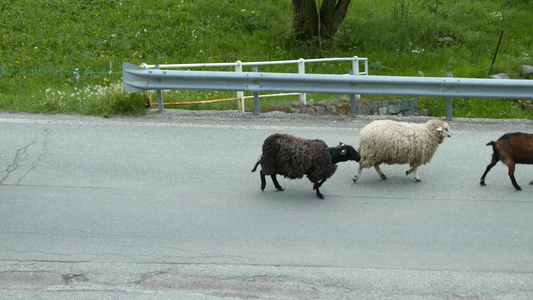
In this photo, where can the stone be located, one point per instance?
(500, 76)
(374, 107)
(526, 71)
(414, 106)
(405, 105)
(447, 40)
(394, 109)
(320, 109)
(363, 109)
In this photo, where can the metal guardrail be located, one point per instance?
(136, 79)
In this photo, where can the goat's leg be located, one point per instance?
(414, 169)
(358, 175)
(511, 166)
(263, 180)
(493, 162)
(378, 169)
(276, 184)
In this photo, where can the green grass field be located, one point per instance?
(62, 56)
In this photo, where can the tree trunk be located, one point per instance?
(305, 19)
(309, 24)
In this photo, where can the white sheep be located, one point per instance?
(392, 142)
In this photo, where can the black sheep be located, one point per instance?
(295, 157)
(511, 149)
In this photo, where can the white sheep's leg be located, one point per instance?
(358, 175)
(415, 170)
(378, 169)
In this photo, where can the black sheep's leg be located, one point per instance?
(511, 174)
(318, 184)
(319, 194)
(276, 184)
(493, 162)
(263, 180)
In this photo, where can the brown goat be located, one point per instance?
(511, 149)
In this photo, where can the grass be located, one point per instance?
(87, 42)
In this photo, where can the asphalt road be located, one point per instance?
(165, 207)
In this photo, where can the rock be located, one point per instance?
(526, 71)
(414, 106)
(394, 109)
(500, 76)
(447, 40)
(405, 105)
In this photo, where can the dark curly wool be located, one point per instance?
(295, 157)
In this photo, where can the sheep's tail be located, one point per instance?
(256, 164)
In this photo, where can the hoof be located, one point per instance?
(482, 183)
(418, 180)
(531, 182)
(384, 177)
(355, 179)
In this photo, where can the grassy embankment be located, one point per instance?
(96, 37)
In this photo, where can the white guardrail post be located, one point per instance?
(301, 70)
(449, 101)
(240, 94)
(354, 97)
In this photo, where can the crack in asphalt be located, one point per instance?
(22, 158)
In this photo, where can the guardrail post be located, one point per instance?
(257, 110)
(449, 102)
(353, 107)
(159, 94)
(355, 65)
(240, 94)
(301, 70)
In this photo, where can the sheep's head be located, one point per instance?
(343, 153)
(445, 130)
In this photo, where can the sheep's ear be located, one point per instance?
(341, 144)
(439, 129)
